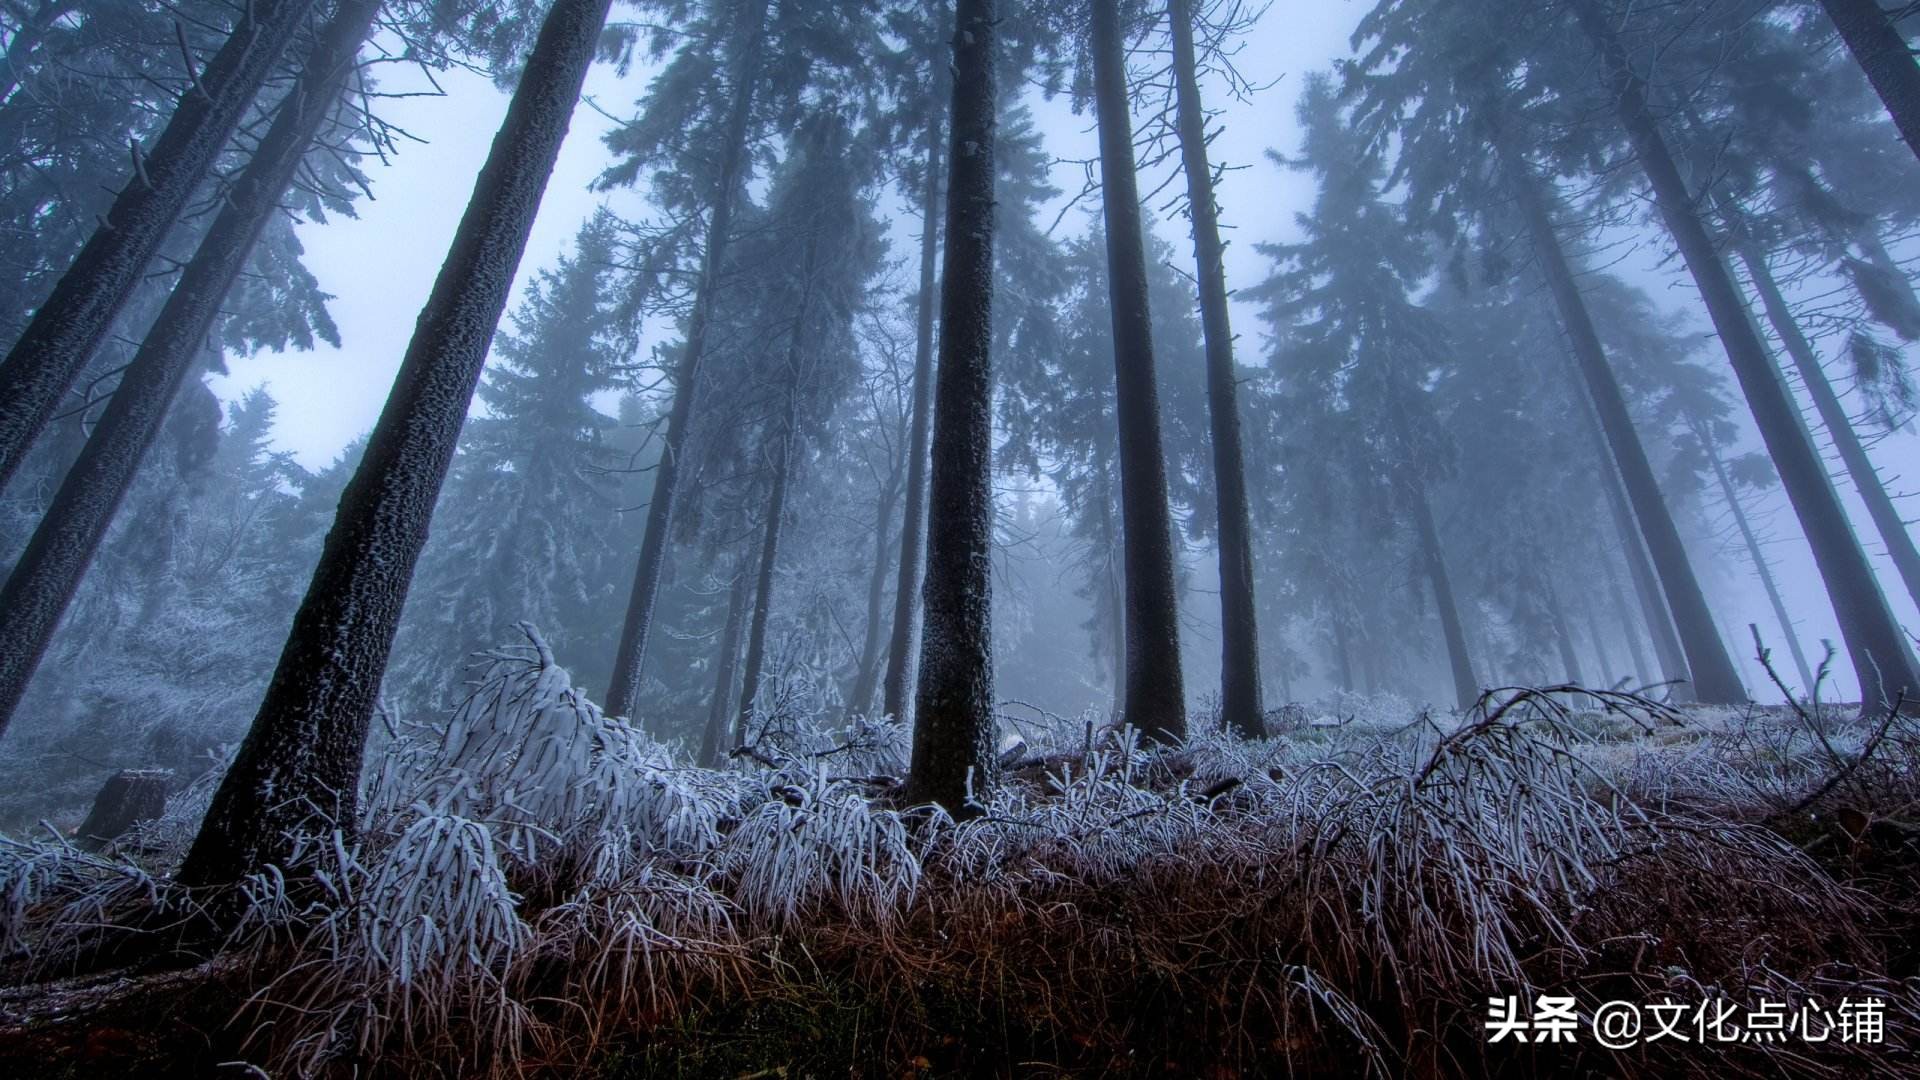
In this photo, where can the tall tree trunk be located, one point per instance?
(631, 654)
(763, 591)
(1466, 688)
(1240, 697)
(1608, 675)
(1343, 652)
(896, 694)
(47, 574)
(1630, 628)
(1655, 620)
(302, 757)
(1714, 679)
(1880, 50)
(1563, 638)
(1759, 560)
(720, 706)
(953, 730)
(70, 325)
(1880, 656)
(1866, 479)
(861, 700)
(1156, 697)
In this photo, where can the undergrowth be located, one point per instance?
(541, 888)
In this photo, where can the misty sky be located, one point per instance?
(379, 269)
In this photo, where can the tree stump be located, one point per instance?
(129, 797)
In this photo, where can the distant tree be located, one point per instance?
(303, 755)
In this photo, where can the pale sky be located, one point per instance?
(380, 268)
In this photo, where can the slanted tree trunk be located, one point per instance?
(1758, 558)
(631, 654)
(48, 572)
(1630, 628)
(1240, 697)
(1466, 688)
(300, 763)
(1714, 679)
(953, 731)
(896, 694)
(763, 591)
(1866, 479)
(860, 701)
(1881, 659)
(1156, 697)
(69, 326)
(1883, 54)
(720, 706)
(1608, 676)
(128, 798)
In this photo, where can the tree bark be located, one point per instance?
(763, 590)
(67, 329)
(299, 765)
(1608, 676)
(860, 701)
(128, 798)
(724, 668)
(1883, 54)
(43, 581)
(896, 695)
(1563, 638)
(631, 654)
(1240, 696)
(1759, 560)
(1630, 628)
(1881, 659)
(954, 703)
(1866, 479)
(1466, 688)
(1156, 697)
(1714, 679)
(1343, 653)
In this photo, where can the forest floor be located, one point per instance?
(1360, 893)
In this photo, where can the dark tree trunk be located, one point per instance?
(897, 692)
(302, 757)
(860, 701)
(720, 706)
(1759, 560)
(1156, 697)
(1343, 653)
(1240, 697)
(1880, 50)
(1563, 638)
(1466, 689)
(631, 654)
(128, 798)
(763, 591)
(1714, 679)
(954, 704)
(1630, 628)
(1866, 479)
(70, 325)
(1655, 620)
(1880, 656)
(44, 579)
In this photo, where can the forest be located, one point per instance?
(1013, 538)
